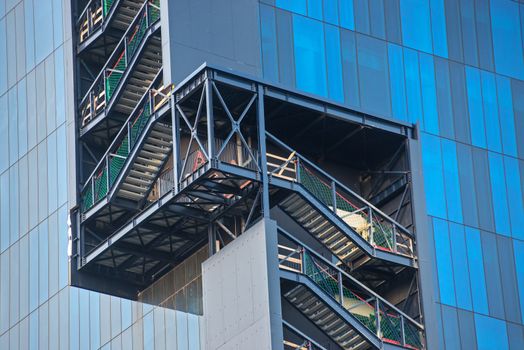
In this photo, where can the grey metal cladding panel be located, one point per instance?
(224, 32)
(425, 246)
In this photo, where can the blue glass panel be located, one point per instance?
(451, 178)
(43, 262)
(94, 319)
(59, 86)
(373, 74)
(429, 94)
(508, 279)
(476, 114)
(451, 328)
(61, 143)
(127, 317)
(193, 333)
(438, 26)
(314, 9)
(491, 113)
(433, 176)
(507, 121)
(491, 333)
(444, 98)
(347, 19)
(83, 301)
(376, 15)
(469, 33)
(492, 269)
(507, 39)
(413, 86)
(476, 271)
(297, 6)
(515, 198)
(149, 332)
(269, 43)
(57, 22)
(29, 35)
(285, 51)
(518, 248)
(444, 263)
(331, 11)
(13, 125)
(33, 269)
(33, 331)
(3, 57)
(310, 60)
(43, 14)
(361, 15)
(349, 66)
(181, 330)
(498, 191)
(460, 266)
(416, 31)
(483, 189)
(4, 211)
(334, 63)
(396, 77)
(4, 134)
(4, 292)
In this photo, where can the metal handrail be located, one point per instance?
(88, 109)
(312, 345)
(290, 169)
(341, 276)
(123, 136)
(92, 17)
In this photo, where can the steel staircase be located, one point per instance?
(349, 226)
(134, 160)
(129, 71)
(101, 16)
(347, 311)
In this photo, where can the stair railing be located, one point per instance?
(306, 344)
(106, 172)
(369, 222)
(379, 316)
(101, 91)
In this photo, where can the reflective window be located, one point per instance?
(309, 55)
(57, 22)
(507, 121)
(43, 262)
(94, 319)
(398, 88)
(62, 164)
(285, 51)
(460, 266)
(4, 292)
(451, 178)
(29, 35)
(491, 113)
(444, 99)
(42, 181)
(14, 285)
(74, 319)
(498, 191)
(269, 43)
(438, 26)
(507, 38)
(515, 197)
(451, 327)
(13, 203)
(54, 253)
(22, 118)
(492, 269)
(476, 271)
(373, 74)
(508, 279)
(24, 276)
(13, 125)
(297, 6)
(416, 31)
(4, 134)
(33, 269)
(334, 64)
(50, 96)
(413, 86)
(376, 15)
(193, 332)
(433, 176)
(491, 333)
(33, 331)
(483, 189)
(52, 184)
(43, 14)
(429, 94)
(469, 33)
(4, 211)
(149, 332)
(518, 248)
(3, 58)
(62, 246)
(59, 86)
(347, 19)
(349, 68)
(314, 9)
(444, 262)
(476, 112)
(331, 11)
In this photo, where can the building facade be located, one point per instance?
(328, 174)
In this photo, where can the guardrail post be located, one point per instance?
(302, 260)
(147, 15)
(334, 196)
(128, 138)
(377, 318)
(107, 174)
(297, 169)
(395, 248)
(402, 330)
(340, 288)
(371, 234)
(93, 192)
(91, 105)
(125, 50)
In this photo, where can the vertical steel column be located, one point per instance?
(210, 119)
(175, 129)
(334, 196)
(262, 147)
(211, 238)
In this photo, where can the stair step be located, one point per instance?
(144, 168)
(147, 161)
(151, 155)
(133, 188)
(138, 181)
(139, 174)
(130, 195)
(154, 148)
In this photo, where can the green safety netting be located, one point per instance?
(106, 5)
(390, 324)
(382, 232)
(154, 11)
(117, 161)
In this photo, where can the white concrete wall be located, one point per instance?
(241, 293)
